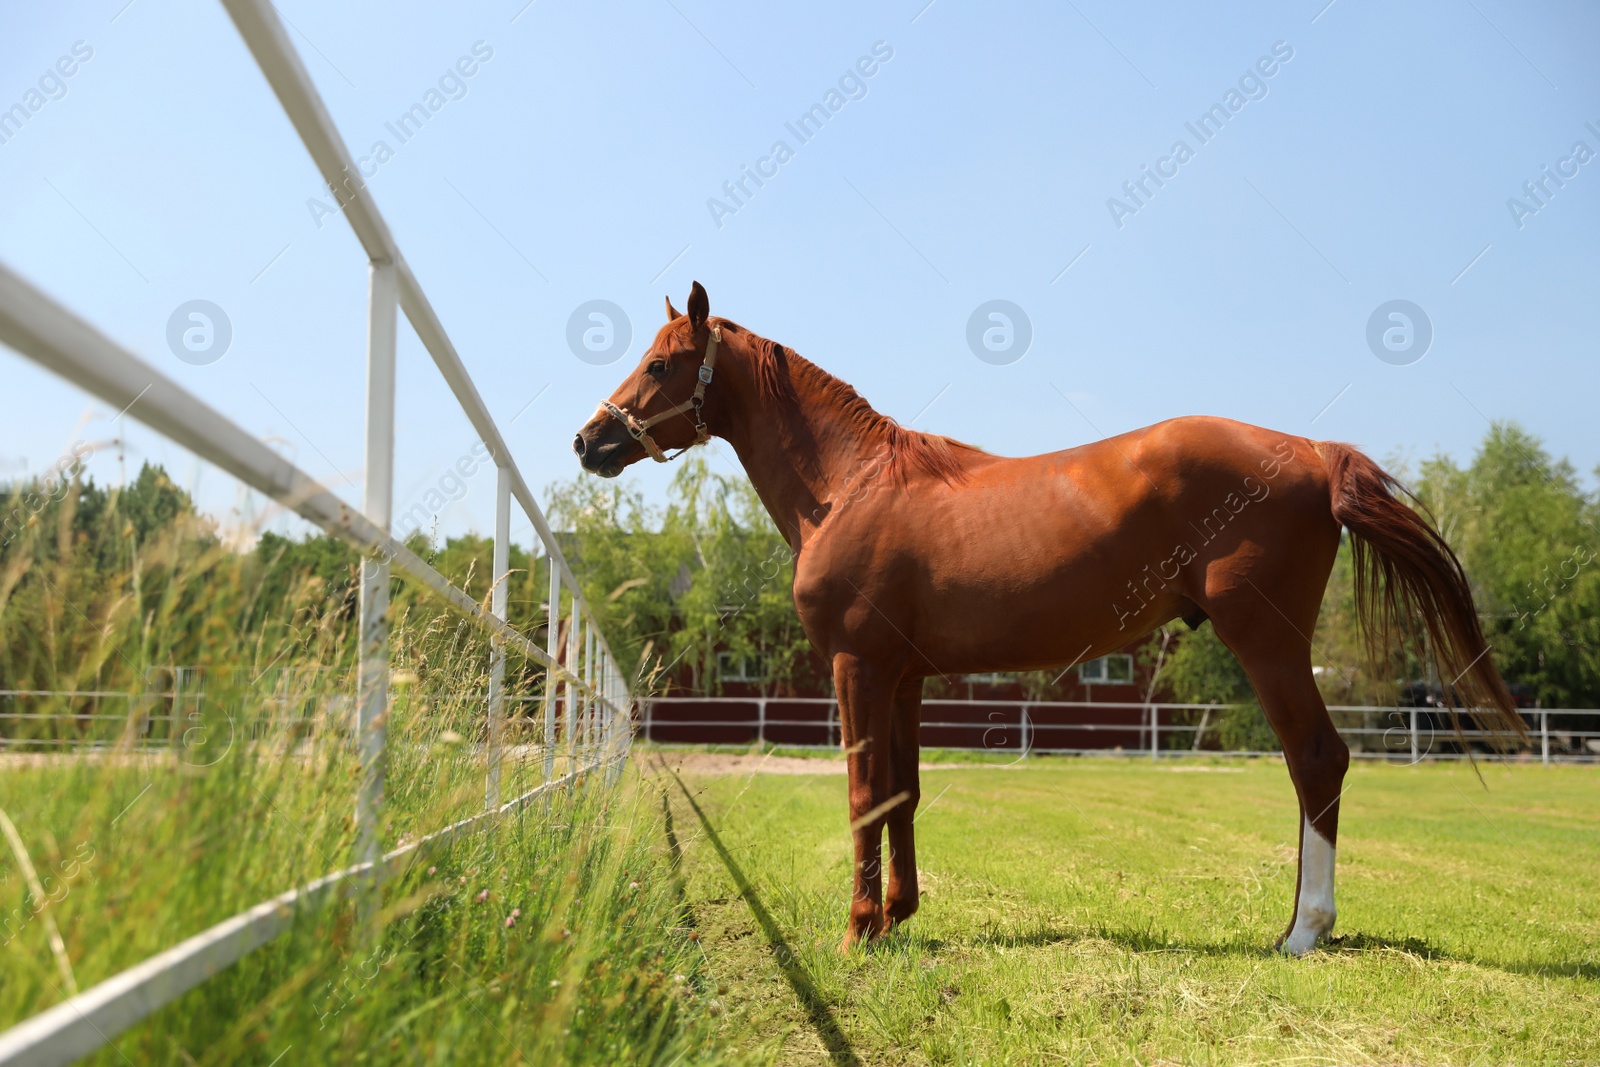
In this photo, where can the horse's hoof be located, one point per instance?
(864, 927)
(898, 912)
(854, 940)
(1312, 926)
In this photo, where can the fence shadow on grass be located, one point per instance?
(816, 1007)
(1415, 946)
(685, 910)
(1354, 944)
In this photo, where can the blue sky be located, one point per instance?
(977, 162)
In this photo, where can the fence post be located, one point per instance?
(174, 735)
(593, 709)
(1155, 732)
(1544, 736)
(761, 723)
(569, 692)
(1413, 735)
(553, 649)
(1024, 732)
(499, 575)
(608, 716)
(372, 671)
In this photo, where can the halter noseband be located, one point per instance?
(639, 429)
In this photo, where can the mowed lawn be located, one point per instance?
(1103, 911)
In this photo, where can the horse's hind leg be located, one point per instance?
(1277, 659)
(901, 899)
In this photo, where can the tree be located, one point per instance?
(1199, 669)
(739, 596)
(1529, 538)
(708, 574)
(624, 562)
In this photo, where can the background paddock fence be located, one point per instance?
(1078, 727)
(584, 689)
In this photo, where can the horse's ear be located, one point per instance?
(672, 312)
(699, 306)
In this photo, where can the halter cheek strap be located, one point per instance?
(639, 429)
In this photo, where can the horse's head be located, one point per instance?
(658, 406)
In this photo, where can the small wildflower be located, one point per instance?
(633, 885)
(516, 913)
(483, 896)
(463, 879)
(565, 934)
(511, 920)
(714, 1007)
(433, 870)
(554, 982)
(678, 979)
(694, 935)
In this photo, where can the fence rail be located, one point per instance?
(79, 1025)
(1034, 726)
(583, 682)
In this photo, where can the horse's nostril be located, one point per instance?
(577, 445)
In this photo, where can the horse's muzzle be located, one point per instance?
(602, 448)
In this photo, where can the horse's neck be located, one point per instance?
(800, 457)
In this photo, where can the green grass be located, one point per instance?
(556, 935)
(1102, 911)
(596, 967)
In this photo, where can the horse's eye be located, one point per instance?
(656, 368)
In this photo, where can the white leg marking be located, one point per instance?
(1315, 914)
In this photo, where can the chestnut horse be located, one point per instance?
(917, 555)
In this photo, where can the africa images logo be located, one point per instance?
(199, 332)
(1399, 332)
(999, 332)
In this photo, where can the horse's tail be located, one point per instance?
(1405, 569)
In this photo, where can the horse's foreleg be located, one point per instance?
(901, 901)
(866, 697)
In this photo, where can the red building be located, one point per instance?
(990, 711)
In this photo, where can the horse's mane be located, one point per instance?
(782, 375)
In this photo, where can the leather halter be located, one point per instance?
(639, 429)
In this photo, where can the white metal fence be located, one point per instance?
(1133, 728)
(583, 682)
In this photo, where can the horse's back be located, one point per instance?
(1064, 547)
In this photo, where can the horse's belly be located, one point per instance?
(1052, 625)
(1027, 565)
(1037, 595)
